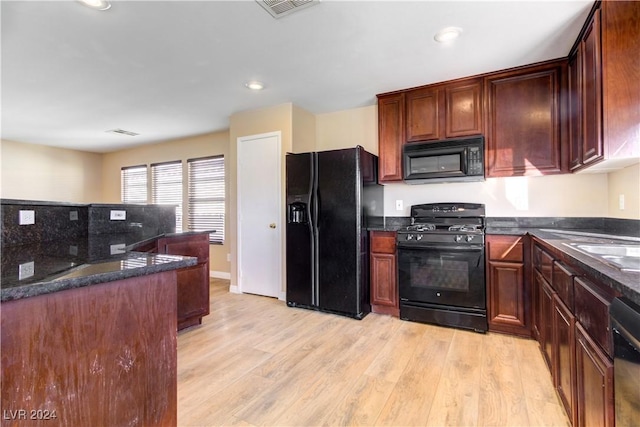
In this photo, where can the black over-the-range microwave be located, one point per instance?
(452, 160)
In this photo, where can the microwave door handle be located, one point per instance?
(465, 161)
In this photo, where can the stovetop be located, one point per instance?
(444, 223)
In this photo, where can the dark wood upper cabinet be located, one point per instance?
(591, 92)
(575, 110)
(390, 137)
(604, 87)
(463, 103)
(524, 121)
(443, 111)
(424, 112)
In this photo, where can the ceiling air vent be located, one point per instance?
(280, 8)
(123, 132)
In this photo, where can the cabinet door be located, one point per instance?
(390, 137)
(594, 380)
(564, 323)
(424, 114)
(507, 300)
(384, 273)
(193, 295)
(192, 282)
(383, 277)
(592, 92)
(575, 110)
(463, 103)
(523, 130)
(546, 324)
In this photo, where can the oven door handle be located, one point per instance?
(471, 248)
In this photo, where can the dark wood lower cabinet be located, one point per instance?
(564, 322)
(595, 404)
(384, 273)
(508, 299)
(546, 339)
(193, 282)
(100, 355)
(572, 319)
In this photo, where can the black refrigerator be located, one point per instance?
(332, 197)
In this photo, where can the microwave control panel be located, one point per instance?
(475, 164)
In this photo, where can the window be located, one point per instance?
(133, 184)
(204, 196)
(207, 196)
(166, 187)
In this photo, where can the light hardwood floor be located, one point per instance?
(255, 361)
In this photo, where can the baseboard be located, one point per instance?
(234, 289)
(220, 275)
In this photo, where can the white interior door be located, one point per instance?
(259, 215)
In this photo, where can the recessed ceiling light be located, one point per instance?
(96, 4)
(254, 85)
(448, 34)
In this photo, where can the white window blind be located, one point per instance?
(207, 196)
(166, 187)
(133, 181)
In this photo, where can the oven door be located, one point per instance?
(452, 276)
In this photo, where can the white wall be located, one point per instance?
(554, 195)
(37, 172)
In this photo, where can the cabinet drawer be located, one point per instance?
(591, 308)
(505, 248)
(383, 242)
(563, 283)
(543, 262)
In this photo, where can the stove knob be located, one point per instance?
(419, 237)
(458, 238)
(469, 237)
(409, 236)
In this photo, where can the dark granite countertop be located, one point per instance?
(39, 268)
(625, 282)
(559, 232)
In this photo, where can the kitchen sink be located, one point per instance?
(622, 256)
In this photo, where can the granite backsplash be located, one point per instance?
(64, 222)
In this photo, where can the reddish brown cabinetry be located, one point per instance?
(384, 273)
(444, 111)
(594, 383)
(435, 112)
(565, 370)
(523, 121)
(604, 86)
(390, 137)
(99, 355)
(572, 319)
(193, 282)
(508, 295)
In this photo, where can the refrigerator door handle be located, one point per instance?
(315, 294)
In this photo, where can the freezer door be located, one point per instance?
(299, 232)
(339, 221)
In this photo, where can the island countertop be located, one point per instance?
(34, 269)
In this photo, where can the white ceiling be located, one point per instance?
(170, 69)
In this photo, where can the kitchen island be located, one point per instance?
(89, 314)
(92, 345)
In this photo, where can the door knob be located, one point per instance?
(272, 225)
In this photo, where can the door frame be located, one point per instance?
(281, 295)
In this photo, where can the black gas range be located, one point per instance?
(441, 266)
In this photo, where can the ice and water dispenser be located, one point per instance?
(297, 213)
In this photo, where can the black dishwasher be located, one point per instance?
(625, 320)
